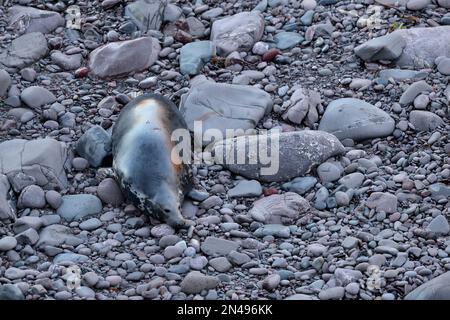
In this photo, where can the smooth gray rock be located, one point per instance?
(274, 230)
(238, 32)
(287, 40)
(36, 97)
(7, 243)
(382, 201)
(79, 206)
(220, 264)
(147, 14)
(196, 282)
(425, 120)
(231, 106)
(35, 20)
(213, 246)
(11, 292)
(417, 4)
(350, 118)
(109, 192)
(284, 209)
(401, 74)
(246, 188)
(66, 62)
(194, 55)
(94, 145)
(388, 47)
(439, 191)
(5, 82)
(298, 152)
(44, 160)
(24, 51)
(32, 197)
(90, 224)
(413, 91)
(329, 171)
(70, 257)
(335, 293)
(124, 57)
(7, 211)
(435, 289)
(57, 235)
(300, 185)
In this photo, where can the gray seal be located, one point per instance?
(142, 158)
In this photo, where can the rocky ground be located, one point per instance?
(358, 210)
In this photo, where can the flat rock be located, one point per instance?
(79, 206)
(44, 160)
(425, 120)
(274, 230)
(287, 40)
(231, 107)
(35, 20)
(350, 118)
(439, 191)
(246, 188)
(66, 62)
(213, 246)
(298, 152)
(439, 226)
(11, 292)
(194, 55)
(24, 51)
(284, 208)
(435, 289)
(36, 97)
(196, 282)
(300, 185)
(124, 57)
(57, 235)
(238, 32)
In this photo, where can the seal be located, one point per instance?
(143, 162)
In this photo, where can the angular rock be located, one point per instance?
(194, 55)
(24, 51)
(381, 201)
(292, 154)
(439, 226)
(231, 107)
(34, 20)
(94, 145)
(32, 197)
(196, 282)
(213, 246)
(439, 191)
(425, 120)
(79, 206)
(238, 32)
(388, 47)
(44, 160)
(284, 208)
(287, 40)
(300, 185)
(349, 118)
(303, 107)
(124, 57)
(146, 14)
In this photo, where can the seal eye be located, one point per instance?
(167, 210)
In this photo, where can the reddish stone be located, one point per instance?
(270, 191)
(270, 54)
(81, 72)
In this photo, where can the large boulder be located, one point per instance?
(415, 47)
(124, 57)
(238, 32)
(24, 51)
(356, 119)
(435, 289)
(42, 161)
(276, 156)
(230, 107)
(30, 19)
(284, 208)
